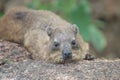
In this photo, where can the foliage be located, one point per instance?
(37, 4)
(1, 14)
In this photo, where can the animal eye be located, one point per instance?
(73, 42)
(56, 44)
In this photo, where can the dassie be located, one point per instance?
(44, 34)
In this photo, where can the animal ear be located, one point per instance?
(49, 30)
(75, 28)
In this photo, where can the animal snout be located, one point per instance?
(67, 54)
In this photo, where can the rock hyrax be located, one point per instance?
(44, 34)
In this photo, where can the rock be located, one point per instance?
(82, 70)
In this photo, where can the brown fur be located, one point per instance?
(32, 27)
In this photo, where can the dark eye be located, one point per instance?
(73, 42)
(56, 44)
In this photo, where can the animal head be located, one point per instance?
(64, 44)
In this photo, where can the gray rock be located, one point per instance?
(82, 70)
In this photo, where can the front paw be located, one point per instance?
(89, 57)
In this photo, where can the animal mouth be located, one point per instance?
(68, 60)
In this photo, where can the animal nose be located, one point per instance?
(67, 55)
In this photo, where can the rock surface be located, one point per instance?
(14, 65)
(82, 70)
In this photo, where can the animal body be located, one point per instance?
(44, 34)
